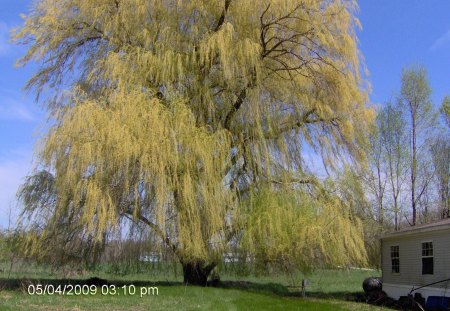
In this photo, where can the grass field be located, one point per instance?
(174, 298)
(328, 290)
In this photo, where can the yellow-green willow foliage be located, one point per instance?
(132, 155)
(283, 224)
(173, 112)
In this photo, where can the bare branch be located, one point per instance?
(222, 16)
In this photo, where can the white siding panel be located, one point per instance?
(411, 258)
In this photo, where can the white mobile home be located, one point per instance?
(415, 257)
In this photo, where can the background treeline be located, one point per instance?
(406, 180)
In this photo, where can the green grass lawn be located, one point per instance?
(174, 298)
(328, 282)
(328, 290)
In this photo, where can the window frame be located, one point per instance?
(397, 258)
(426, 253)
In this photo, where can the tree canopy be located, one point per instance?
(193, 118)
(415, 98)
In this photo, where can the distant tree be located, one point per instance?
(189, 118)
(415, 97)
(440, 152)
(445, 110)
(393, 138)
(376, 174)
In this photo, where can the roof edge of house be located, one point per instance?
(435, 226)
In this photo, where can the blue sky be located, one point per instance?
(395, 34)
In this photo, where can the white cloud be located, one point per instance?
(14, 167)
(12, 109)
(441, 41)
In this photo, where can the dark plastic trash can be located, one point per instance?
(437, 303)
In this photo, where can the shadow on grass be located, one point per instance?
(283, 291)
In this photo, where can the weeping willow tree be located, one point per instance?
(191, 118)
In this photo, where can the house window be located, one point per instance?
(395, 258)
(427, 258)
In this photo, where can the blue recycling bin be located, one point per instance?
(437, 303)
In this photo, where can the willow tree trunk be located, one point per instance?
(196, 272)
